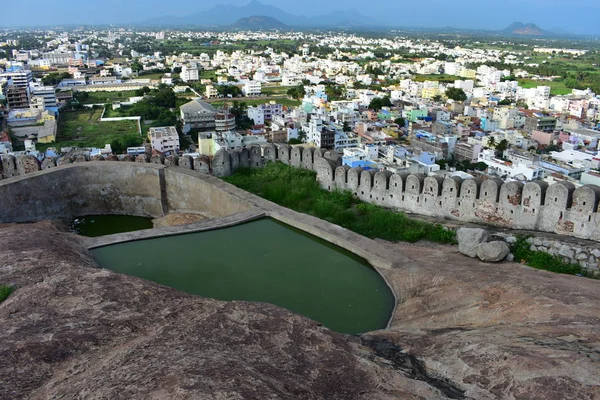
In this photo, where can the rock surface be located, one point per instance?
(469, 239)
(492, 251)
(511, 332)
(71, 331)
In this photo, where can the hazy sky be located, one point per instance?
(574, 16)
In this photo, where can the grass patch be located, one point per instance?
(556, 88)
(275, 90)
(5, 291)
(299, 190)
(103, 97)
(83, 129)
(437, 77)
(542, 260)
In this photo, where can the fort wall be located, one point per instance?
(557, 208)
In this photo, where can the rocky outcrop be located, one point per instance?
(469, 240)
(71, 330)
(492, 251)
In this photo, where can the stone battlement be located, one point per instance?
(558, 208)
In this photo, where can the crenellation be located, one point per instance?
(255, 156)
(235, 160)
(221, 163)
(308, 157)
(533, 205)
(157, 159)
(243, 157)
(296, 157)
(341, 177)
(284, 153)
(186, 162)
(202, 164)
(270, 152)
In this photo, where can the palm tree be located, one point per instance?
(491, 142)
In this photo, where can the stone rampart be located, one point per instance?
(558, 208)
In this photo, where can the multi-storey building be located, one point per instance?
(19, 78)
(189, 74)
(224, 121)
(252, 88)
(197, 115)
(17, 97)
(164, 139)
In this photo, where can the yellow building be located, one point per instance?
(206, 143)
(468, 73)
(430, 93)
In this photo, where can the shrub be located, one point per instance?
(5, 291)
(542, 260)
(299, 190)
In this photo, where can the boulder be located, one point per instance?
(492, 251)
(469, 239)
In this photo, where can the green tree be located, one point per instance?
(456, 94)
(501, 147)
(401, 122)
(296, 92)
(491, 142)
(346, 127)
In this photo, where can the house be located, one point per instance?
(164, 139)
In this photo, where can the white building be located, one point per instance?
(257, 114)
(510, 170)
(252, 88)
(189, 74)
(164, 139)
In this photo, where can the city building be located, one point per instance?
(197, 114)
(224, 121)
(164, 139)
(189, 74)
(252, 88)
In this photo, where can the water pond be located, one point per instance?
(263, 261)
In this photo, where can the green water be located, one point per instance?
(262, 261)
(100, 225)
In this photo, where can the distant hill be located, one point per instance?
(227, 15)
(259, 22)
(521, 29)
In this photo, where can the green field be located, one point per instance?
(436, 77)
(103, 97)
(556, 88)
(156, 75)
(275, 90)
(84, 129)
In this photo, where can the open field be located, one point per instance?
(103, 97)
(275, 90)
(84, 129)
(556, 88)
(436, 77)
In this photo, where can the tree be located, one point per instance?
(294, 141)
(177, 70)
(491, 142)
(501, 147)
(437, 98)
(346, 127)
(296, 92)
(505, 102)
(378, 103)
(401, 122)
(143, 91)
(456, 94)
(54, 78)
